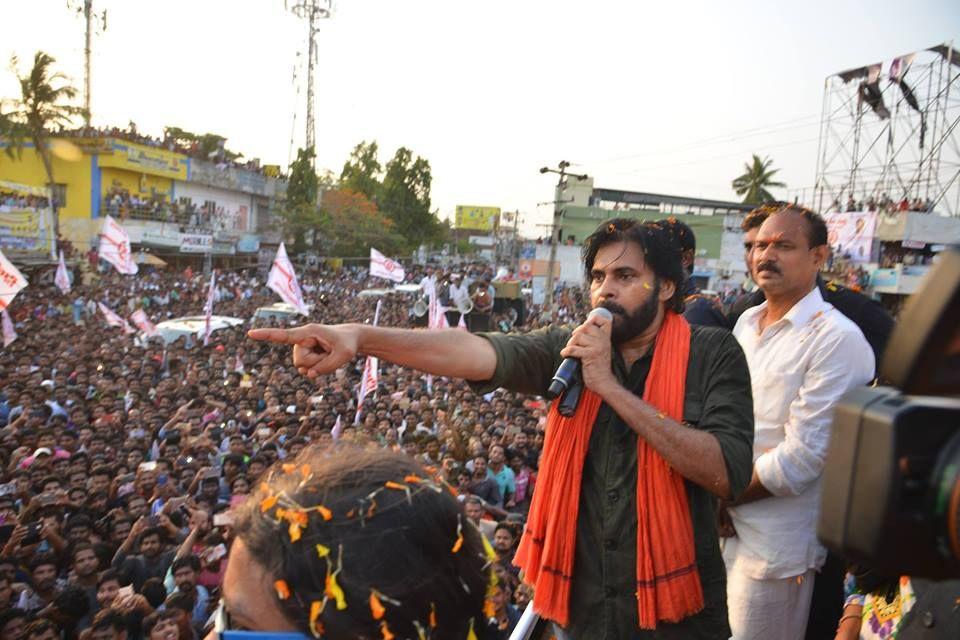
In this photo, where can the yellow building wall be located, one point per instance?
(28, 169)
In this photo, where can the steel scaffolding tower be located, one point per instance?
(891, 130)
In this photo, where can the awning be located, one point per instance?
(150, 259)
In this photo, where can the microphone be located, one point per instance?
(569, 369)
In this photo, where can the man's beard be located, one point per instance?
(631, 325)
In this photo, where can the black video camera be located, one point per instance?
(891, 481)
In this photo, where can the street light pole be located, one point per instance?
(556, 231)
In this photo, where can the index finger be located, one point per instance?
(279, 336)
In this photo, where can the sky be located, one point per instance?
(665, 97)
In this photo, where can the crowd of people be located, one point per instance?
(883, 204)
(14, 201)
(193, 150)
(122, 204)
(166, 490)
(122, 457)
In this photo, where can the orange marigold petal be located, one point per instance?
(326, 513)
(283, 591)
(377, 610)
(390, 484)
(323, 551)
(316, 627)
(385, 631)
(433, 616)
(267, 503)
(294, 531)
(413, 479)
(288, 467)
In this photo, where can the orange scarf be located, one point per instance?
(668, 583)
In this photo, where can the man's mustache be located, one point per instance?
(613, 307)
(768, 266)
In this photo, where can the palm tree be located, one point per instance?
(40, 110)
(756, 179)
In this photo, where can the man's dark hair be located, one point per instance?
(72, 602)
(39, 627)
(509, 528)
(660, 253)
(151, 531)
(81, 546)
(154, 619)
(42, 559)
(154, 591)
(754, 219)
(108, 619)
(11, 614)
(179, 600)
(109, 575)
(415, 532)
(816, 225)
(191, 561)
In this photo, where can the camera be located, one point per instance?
(891, 481)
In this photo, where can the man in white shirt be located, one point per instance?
(803, 356)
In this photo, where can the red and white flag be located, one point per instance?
(383, 267)
(337, 428)
(9, 333)
(283, 280)
(115, 247)
(114, 320)
(208, 309)
(437, 313)
(11, 281)
(371, 372)
(142, 321)
(62, 279)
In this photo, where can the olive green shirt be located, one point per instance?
(718, 400)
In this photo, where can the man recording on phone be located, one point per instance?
(660, 426)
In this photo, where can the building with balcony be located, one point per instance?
(178, 207)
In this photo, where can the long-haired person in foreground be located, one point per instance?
(357, 545)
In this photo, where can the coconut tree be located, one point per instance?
(43, 106)
(757, 178)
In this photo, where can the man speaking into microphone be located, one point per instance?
(621, 539)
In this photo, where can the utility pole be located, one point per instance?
(312, 11)
(87, 11)
(556, 231)
(91, 22)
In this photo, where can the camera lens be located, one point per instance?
(946, 507)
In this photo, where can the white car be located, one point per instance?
(192, 327)
(279, 311)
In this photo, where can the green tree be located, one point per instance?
(41, 108)
(300, 211)
(361, 172)
(207, 145)
(353, 225)
(756, 179)
(405, 197)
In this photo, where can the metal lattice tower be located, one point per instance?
(313, 11)
(913, 152)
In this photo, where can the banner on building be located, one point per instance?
(196, 243)
(11, 281)
(115, 247)
(851, 233)
(473, 217)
